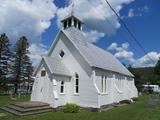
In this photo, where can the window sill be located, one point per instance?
(62, 93)
(104, 94)
(76, 94)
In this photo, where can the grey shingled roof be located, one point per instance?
(96, 57)
(56, 66)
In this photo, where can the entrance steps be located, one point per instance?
(27, 108)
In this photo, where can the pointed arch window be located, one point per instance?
(76, 84)
(62, 87)
(104, 84)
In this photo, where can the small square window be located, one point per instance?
(43, 73)
(62, 54)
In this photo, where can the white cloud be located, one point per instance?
(96, 15)
(125, 45)
(148, 60)
(122, 52)
(36, 52)
(93, 36)
(137, 12)
(26, 17)
(144, 9)
(131, 13)
(113, 46)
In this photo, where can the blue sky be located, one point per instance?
(39, 21)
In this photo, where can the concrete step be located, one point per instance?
(26, 113)
(22, 110)
(30, 104)
(27, 108)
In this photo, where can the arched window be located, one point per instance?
(119, 82)
(62, 87)
(104, 84)
(76, 84)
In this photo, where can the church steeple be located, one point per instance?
(72, 20)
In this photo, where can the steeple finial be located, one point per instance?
(72, 9)
(72, 20)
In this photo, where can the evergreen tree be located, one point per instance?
(130, 68)
(5, 61)
(22, 65)
(124, 64)
(28, 72)
(157, 68)
(157, 72)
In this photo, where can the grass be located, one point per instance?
(135, 111)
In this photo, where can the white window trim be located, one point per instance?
(104, 85)
(60, 53)
(116, 84)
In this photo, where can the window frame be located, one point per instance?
(62, 54)
(104, 82)
(76, 86)
(62, 87)
(43, 73)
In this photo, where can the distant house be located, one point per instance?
(155, 88)
(76, 71)
(25, 87)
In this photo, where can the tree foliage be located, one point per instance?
(22, 66)
(15, 67)
(157, 68)
(5, 61)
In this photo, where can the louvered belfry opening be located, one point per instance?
(72, 21)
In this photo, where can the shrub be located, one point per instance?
(71, 108)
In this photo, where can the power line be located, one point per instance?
(128, 30)
(111, 25)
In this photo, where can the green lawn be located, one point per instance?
(136, 111)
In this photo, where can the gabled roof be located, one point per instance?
(96, 57)
(55, 66)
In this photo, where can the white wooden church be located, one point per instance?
(76, 71)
